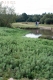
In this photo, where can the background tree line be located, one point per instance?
(8, 16)
(43, 19)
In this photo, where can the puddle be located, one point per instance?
(31, 35)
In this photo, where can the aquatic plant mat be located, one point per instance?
(22, 57)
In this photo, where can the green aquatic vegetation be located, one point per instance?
(22, 57)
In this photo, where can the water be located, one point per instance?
(40, 33)
(31, 35)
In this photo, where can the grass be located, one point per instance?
(46, 25)
(22, 57)
(29, 25)
(23, 24)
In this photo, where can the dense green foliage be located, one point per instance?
(7, 16)
(27, 18)
(44, 18)
(47, 18)
(22, 57)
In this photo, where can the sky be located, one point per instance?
(30, 6)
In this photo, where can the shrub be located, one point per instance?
(49, 21)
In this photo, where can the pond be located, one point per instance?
(40, 33)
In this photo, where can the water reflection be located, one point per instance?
(31, 35)
(47, 34)
(40, 33)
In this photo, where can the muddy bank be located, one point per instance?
(38, 27)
